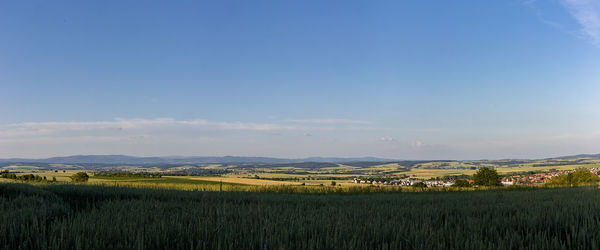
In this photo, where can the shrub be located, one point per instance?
(461, 183)
(80, 177)
(419, 185)
(579, 177)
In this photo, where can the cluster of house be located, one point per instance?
(407, 182)
(507, 181)
(539, 177)
(512, 180)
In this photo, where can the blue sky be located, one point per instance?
(397, 79)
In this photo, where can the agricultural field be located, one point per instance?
(294, 174)
(60, 216)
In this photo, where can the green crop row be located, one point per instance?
(110, 217)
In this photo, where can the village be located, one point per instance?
(540, 177)
(407, 182)
(523, 179)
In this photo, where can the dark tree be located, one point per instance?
(486, 177)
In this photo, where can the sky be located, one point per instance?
(397, 79)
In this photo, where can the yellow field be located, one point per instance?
(432, 173)
(238, 180)
(280, 175)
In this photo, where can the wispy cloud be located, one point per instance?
(31, 129)
(329, 121)
(50, 128)
(587, 14)
(531, 4)
(384, 138)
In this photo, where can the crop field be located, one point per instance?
(193, 177)
(238, 180)
(91, 217)
(424, 173)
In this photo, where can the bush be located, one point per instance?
(80, 177)
(419, 185)
(579, 177)
(461, 183)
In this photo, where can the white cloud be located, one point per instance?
(387, 139)
(329, 121)
(587, 14)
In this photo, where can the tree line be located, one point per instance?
(26, 177)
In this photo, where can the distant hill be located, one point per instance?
(578, 156)
(134, 160)
(125, 159)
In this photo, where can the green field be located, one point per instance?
(96, 217)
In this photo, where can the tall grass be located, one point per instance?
(110, 217)
(200, 185)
